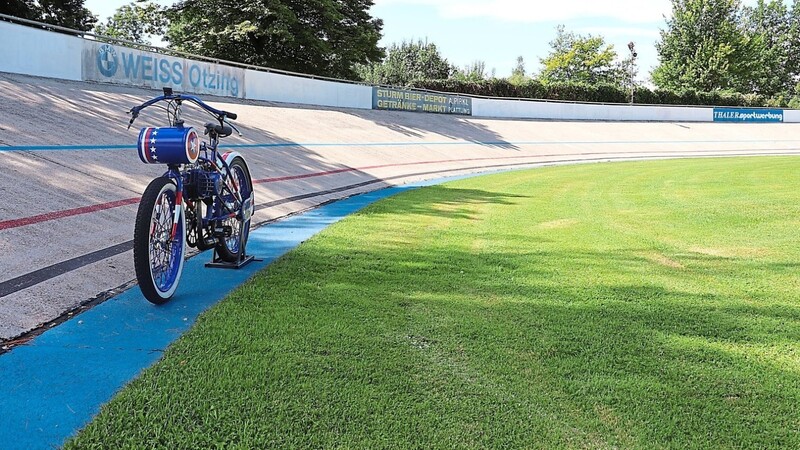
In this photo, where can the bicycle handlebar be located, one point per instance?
(221, 115)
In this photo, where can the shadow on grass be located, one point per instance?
(449, 202)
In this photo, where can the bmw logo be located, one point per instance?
(107, 60)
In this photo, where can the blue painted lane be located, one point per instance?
(53, 386)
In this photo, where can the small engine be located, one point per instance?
(200, 183)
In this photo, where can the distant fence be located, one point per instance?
(78, 56)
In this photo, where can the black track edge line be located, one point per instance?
(46, 273)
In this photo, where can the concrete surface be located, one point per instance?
(296, 153)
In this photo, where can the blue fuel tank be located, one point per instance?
(168, 145)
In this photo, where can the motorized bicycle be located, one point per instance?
(203, 200)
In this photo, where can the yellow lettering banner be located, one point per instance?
(408, 100)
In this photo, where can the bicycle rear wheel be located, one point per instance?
(159, 241)
(230, 248)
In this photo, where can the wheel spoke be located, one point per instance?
(162, 250)
(157, 253)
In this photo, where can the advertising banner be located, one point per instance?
(747, 115)
(407, 100)
(109, 63)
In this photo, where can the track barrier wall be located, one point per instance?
(30, 51)
(277, 87)
(521, 109)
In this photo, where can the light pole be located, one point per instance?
(632, 48)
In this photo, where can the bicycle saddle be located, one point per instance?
(220, 130)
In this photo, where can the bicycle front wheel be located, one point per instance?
(159, 241)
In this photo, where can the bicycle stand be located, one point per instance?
(244, 259)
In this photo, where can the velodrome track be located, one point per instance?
(70, 178)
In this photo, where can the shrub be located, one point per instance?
(599, 93)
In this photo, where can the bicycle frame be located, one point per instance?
(219, 210)
(198, 176)
(208, 163)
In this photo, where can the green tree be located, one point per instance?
(64, 13)
(581, 59)
(407, 62)
(793, 40)
(518, 72)
(769, 29)
(135, 21)
(319, 37)
(473, 72)
(24, 9)
(705, 48)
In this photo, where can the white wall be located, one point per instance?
(30, 51)
(285, 88)
(524, 109)
(791, 115)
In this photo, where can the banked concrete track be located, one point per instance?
(70, 178)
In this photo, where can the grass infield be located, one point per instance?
(633, 305)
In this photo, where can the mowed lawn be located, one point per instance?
(631, 305)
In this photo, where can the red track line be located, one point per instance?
(382, 166)
(14, 223)
(306, 175)
(5, 224)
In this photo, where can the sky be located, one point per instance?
(498, 31)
